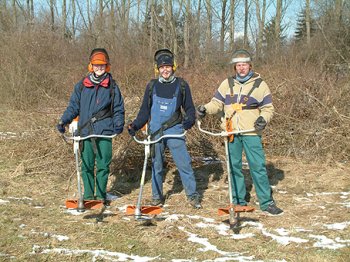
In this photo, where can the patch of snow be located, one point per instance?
(4, 202)
(74, 212)
(300, 229)
(209, 247)
(221, 228)
(60, 237)
(111, 197)
(342, 240)
(96, 254)
(22, 225)
(283, 240)
(282, 231)
(173, 217)
(20, 198)
(337, 226)
(325, 242)
(242, 236)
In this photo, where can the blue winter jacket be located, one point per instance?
(90, 99)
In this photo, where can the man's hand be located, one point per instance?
(131, 129)
(61, 127)
(201, 111)
(260, 124)
(187, 123)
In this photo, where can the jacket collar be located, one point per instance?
(88, 83)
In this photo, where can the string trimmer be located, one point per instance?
(232, 210)
(80, 204)
(141, 212)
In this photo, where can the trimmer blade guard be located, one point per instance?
(149, 210)
(237, 209)
(88, 204)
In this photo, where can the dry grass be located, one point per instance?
(37, 175)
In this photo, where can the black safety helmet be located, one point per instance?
(164, 57)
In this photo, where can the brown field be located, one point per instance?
(37, 175)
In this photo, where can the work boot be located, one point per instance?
(195, 202)
(273, 210)
(157, 202)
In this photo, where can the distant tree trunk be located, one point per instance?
(338, 12)
(278, 24)
(89, 17)
(187, 33)
(52, 12)
(196, 34)
(151, 29)
(15, 22)
(232, 25)
(73, 18)
(246, 18)
(113, 20)
(261, 23)
(223, 25)
(308, 23)
(64, 18)
(208, 35)
(100, 23)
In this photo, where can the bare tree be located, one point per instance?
(232, 24)
(64, 18)
(151, 28)
(52, 12)
(278, 24)
(308, 22)
(208, 35)
(14, 8)
(260, 15)
(223, 26)
(246, 19)
(187, 33)
(73, 18)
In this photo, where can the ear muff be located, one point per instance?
(91, 70)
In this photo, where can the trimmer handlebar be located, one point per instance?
(79, 138)
(149, 142)
(223, 133)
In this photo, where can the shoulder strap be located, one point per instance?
(255, 85)
(183, 89)
(150, 93)
(231, 83)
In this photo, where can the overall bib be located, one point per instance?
(162, 109)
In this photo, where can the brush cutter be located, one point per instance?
(80, 204)
(232, 210)
(139, 211)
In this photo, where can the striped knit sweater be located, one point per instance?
(260, 98)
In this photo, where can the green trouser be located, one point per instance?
(103, 159)
(254, 152)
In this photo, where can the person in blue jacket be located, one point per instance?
(161, 109)
(98, 102)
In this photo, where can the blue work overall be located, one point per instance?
(162, 109)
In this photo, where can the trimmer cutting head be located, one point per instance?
(144, 210)
(88, 204)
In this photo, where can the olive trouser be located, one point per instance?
(95, 187)
(254, 152)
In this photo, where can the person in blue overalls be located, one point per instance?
(161, 109)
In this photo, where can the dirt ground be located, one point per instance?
(37, 175)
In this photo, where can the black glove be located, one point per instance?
(260, 124)
(187, 123)
(61, 127)
(131, 129)
(201, 111)
(117, 131)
